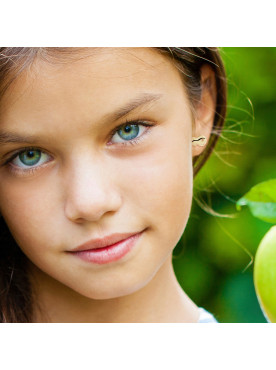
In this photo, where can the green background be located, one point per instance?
(212, 259)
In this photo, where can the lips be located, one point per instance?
(108, 249)
(103, 242)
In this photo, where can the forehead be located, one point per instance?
(106, 62)
(99, 63)
(92, 76)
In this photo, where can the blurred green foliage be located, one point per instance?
(215, 257)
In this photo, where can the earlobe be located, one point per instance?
(199, 141)
(205, 110)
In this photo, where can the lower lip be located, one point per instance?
(111, 253)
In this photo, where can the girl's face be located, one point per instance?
(93, 147)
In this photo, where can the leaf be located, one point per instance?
(261, 200)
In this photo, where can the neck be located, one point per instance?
(161, 300)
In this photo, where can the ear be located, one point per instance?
(205, 108)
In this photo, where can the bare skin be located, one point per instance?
(89, 184)
(161, 300)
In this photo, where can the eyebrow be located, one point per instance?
(144, 99)
(9, 137)
(139, 101)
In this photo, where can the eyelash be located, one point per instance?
(24, 171)
(32, 170)
(136, 140)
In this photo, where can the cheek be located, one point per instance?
(159, 185)
(25, 208)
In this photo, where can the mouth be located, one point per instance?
(108, 249)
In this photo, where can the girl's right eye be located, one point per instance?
(30, 158)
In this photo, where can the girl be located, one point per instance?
(98, 151)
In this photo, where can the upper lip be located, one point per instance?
(103, 242)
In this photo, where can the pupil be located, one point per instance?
(127, 128)
(30, 154)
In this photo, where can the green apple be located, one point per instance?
(265, 274)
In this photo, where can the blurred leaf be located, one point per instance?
(235, 304)
(261, 199)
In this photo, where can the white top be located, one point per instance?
(206, 317)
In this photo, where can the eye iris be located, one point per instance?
(30, 157)
(128, 132)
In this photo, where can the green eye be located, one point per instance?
(30, 157)
(128, 132)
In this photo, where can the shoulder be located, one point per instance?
(206, 317)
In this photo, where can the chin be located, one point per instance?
(114, 290)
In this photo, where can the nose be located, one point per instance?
(90, 192)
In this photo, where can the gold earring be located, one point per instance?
(199, 141)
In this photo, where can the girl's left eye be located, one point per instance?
(129, 132)
(30, 158)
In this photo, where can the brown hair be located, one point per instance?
(16, 298)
